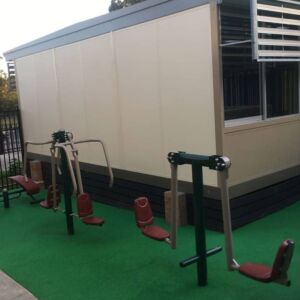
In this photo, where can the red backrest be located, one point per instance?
(84, 205)
(143, 212)
(282, 259)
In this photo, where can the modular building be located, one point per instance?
(201, 76)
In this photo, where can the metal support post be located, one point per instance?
(60, 137)
(199, 221)
(214, 162)
(5, 198)
(67, 193)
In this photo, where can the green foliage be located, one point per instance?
(118, 4)
(8, 99)
(15, 167)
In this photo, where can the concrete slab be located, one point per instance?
(11, 290)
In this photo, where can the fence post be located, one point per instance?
(11, 146)
(5, 198)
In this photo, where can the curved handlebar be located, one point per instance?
(25, 154)
(110, 172)
(75, 154)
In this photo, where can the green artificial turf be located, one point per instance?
(117, 262)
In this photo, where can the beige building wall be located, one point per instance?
(145, 90)
(263, 150)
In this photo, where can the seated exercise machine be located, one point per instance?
(144, 219)
(276, 273)
(144, 216)
(61, 144)
(27, 185)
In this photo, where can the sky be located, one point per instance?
(22, 21)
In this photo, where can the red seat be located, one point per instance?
(155, 232)
(276, 273)
(30, 187)
(256, 271)
(91, 220)
(85, 210)
(144, 220)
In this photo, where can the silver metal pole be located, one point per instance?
(25, 154)
(77, 166)
(174, 201)
(222, 178)
(253, 9)
(77, 170)
(263, 89)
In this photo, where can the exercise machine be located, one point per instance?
(61, 144)
(27, 185)
(144, 218)
(278, 272)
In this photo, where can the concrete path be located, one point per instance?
(11, 290)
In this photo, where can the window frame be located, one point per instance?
(262, 78)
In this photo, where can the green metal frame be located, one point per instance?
(62, 137)
(197, 162)
(5, 196)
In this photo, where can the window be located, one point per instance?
(282, 89)
(260, 78)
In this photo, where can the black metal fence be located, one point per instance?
(11, 147)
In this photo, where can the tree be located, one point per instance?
(8, 99)
(118, 4)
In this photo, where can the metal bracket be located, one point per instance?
(214, 162)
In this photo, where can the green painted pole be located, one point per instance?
(6, 198)
(67, 183)
(199, 224)
(194, 259)
(61, 137)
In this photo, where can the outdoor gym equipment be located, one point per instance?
(278, 272)
(29, 186)
(214, 162)
(144, 218)
(61, 143)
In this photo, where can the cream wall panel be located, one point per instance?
(25, 68)
(145, 90)
(71, 93)
(47, 96)
(137, 69)
(263, 150)
(186, 84)
(100, 90)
